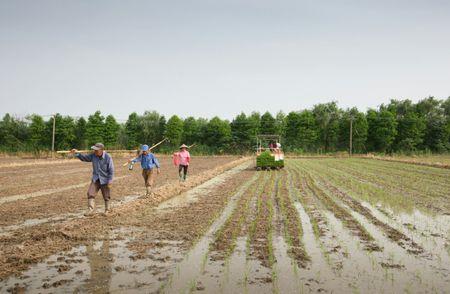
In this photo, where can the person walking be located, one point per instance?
(102, 175)
(182, 160)
(148, 163)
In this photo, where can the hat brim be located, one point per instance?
(95, 148)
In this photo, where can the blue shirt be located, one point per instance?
(148, 161)
(102, 167)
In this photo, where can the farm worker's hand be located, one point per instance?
(73, 151)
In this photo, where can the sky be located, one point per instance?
(208, 58)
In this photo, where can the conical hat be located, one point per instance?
(184, 146)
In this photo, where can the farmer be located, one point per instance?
(182, 160)
(272, 146)
(278, 147)
(102, 175)
(148, 163)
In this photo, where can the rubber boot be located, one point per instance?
(107, 207)
(91, 207)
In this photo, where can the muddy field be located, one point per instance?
(319, 225)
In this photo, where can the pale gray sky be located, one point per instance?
(206, 58)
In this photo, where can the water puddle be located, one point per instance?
(286, 270)
(432, 238)
(235, 278)
(416, 272)
(185, 276)
(286, 279)
(319, 276)
(361, 271)
(103, 266)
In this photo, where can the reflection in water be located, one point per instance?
(101, 270)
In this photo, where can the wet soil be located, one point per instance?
(235, 230)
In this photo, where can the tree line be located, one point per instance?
(400, 126)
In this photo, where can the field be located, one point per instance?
(435, 160)
(333, 225)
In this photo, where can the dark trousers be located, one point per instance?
(95, 186)
(184, 169)
(148, 177)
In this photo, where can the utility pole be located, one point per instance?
(53, 136)
(351, 136)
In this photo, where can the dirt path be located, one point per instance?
(68, 196)
(47, 192)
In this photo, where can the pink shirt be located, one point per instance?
(184, 157)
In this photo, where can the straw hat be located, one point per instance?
(184, 146)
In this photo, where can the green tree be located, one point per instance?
(291, 130)
(410, 131)
(80, 134)
(161, 128)
(132, 131)
(399, 107)
(241, 131)
(382, 130)
(202, 125)
(268, 124)
(64, 132)
(446, 107)
(95, 128)
(174, 130)
(13, 134)
(307, 131)
(327, 119)
(38, 133)
(280, 123)
(111, 132)
(149, 124)
(191, 131)
(122, 138)
(254, 126)
(359, 130)
(437, 135)
(428, 107)
(218, 134)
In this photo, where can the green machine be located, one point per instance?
(269, 154)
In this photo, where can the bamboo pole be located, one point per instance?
(87, 151)
(149, 149)
(160, 142)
